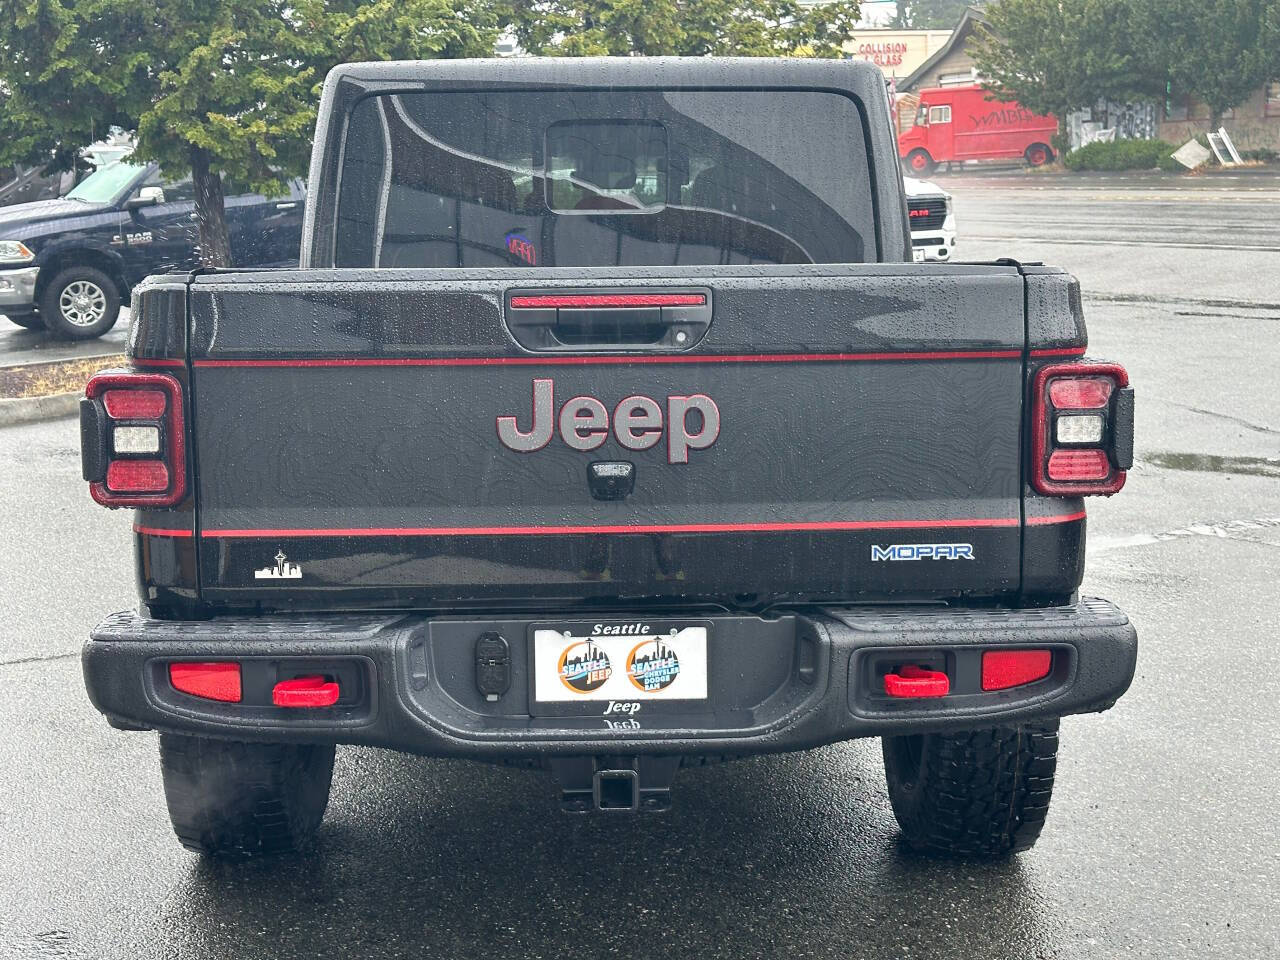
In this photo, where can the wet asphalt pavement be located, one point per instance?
(1162, 840)
(20, 345)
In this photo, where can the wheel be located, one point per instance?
(980, 794)
(1038, 154)
(232, 799)
(80, 303)
(32, 321)
(920, 163)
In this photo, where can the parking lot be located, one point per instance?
(1161, 841)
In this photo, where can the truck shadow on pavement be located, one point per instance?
(792, 855)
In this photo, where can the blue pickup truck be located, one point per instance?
(67, 265)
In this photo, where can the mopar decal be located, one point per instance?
(922, 551)
(691, 423)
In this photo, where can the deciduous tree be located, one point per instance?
(929, 14)
(1219, 51)
(1056, 56)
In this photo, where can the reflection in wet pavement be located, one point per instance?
(1252, 466)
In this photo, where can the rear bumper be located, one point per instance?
(786, 683)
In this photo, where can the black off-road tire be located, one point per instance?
(66, 317)
(979, 794)
(235, 800)
(31, 321)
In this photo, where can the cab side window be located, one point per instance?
(179, 191)
(940, 114)
(175, 191)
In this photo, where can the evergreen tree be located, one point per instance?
(686, 28)
(211, 87)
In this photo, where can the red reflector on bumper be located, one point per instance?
(1067, 465)
(915, 682)
(137, 476)
(211, 681)
(305, 692)
(1002, 669)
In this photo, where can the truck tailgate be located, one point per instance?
(836, 432)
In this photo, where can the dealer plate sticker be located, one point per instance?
(601, 662)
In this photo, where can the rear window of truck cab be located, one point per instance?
(623, 177)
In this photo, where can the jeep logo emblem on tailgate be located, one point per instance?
(637, 423)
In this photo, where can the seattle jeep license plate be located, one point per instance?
(632, 660)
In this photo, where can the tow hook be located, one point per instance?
(313, 691)
(914, 683)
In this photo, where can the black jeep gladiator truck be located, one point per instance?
(606, 428)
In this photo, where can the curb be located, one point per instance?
(47, 389)
(15, 410)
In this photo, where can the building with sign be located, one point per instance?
(898, 53)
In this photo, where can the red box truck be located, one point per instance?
(954, 124)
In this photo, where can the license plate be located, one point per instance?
(918, 256)
(588, 662)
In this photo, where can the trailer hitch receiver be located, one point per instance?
(614, 784)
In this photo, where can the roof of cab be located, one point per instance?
(734, 72)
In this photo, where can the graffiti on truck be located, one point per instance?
(1002, 117)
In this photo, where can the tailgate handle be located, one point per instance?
(586, 320)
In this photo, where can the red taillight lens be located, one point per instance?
(134, 404)
(1002, 669)
(137, 476)
(1081, 444)
(211, 681)
(132, 439)
(1074, 466)
(1080, 393)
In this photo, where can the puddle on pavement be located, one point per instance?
(1206, 463)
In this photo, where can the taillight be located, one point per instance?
(1082, 438)
(131, 439)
